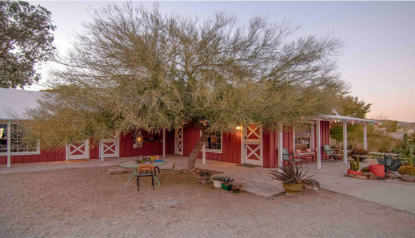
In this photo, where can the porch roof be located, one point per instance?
(14, 102)
(338, 118)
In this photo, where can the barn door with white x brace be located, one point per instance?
(252, 139)
(178, 141)
(111, 146)
(78, 151)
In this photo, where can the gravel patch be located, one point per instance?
(89, 202)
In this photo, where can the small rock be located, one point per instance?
(116, 170)
(312, 184)
(360, 177)
(374, 177)
(367, 174)
(408, 178)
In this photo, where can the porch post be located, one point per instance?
(312, 137)
(345, 142)
(67, 151)
(365, 136)
(203, 150)
(164, 142)
(9, 133)
(280, 147)
(318, 130)
(101, 149)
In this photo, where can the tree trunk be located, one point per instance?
(196, 151)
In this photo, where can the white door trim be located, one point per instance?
(245, 144)
(108, 148)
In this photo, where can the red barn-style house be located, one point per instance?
(250, 145)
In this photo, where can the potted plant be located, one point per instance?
(205, 176)
(354, 167)
(217, 181)
(227, 183)
(292, 178)
(361, 153)
(237, 186)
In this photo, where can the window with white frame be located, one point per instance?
(3, 138)
(214, 142)
(19, 142)
(303, 138)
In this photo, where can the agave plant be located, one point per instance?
(290, 174)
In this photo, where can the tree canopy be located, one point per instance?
(135, 68)
(25, 40)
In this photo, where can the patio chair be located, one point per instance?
(329, 152)
(171, 172)
(302, 156)
(286, 157)
(145, 171)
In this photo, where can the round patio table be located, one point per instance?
(133, 164)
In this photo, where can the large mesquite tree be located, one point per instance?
(26, 36)
(134, 68)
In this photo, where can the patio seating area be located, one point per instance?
(258, 181)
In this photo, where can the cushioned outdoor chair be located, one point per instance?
(290, 158)
(146, 171)
(329, 153)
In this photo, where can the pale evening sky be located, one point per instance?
(378, 61)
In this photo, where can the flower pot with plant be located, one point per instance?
(217, 181)
(227, 183)
(205, 176)
(237, 186)
(292, 178)
(354, 167)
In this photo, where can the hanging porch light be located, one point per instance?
(139, 139)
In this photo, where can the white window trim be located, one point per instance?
(37, 152)
(217, 151)
(311, 135)
(20, 153)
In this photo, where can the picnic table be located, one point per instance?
(134, 164)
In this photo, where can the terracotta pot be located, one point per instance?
(377, 170)
(293, 189)
(354, 172)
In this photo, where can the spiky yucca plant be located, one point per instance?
(290, 174)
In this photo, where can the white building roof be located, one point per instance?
(346, 119)
(14, 102)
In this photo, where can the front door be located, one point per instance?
(111, 146)
(252, 136)
(78, 151)
(178, 141)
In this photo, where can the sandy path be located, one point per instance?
(91, 203)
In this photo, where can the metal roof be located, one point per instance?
(14, 102)
(338, 118)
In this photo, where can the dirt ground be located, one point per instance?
(89, 202)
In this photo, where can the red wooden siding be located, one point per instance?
(93, 150)
(231, 145)
(44, 156)
(149, 147)
(169, 142)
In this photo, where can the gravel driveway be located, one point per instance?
(89, 202)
